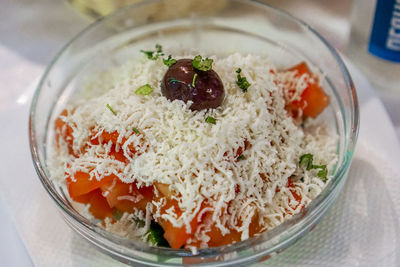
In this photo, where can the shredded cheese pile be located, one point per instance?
(176, 147)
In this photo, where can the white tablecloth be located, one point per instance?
(31, 32)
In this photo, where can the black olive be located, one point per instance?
(183, 82)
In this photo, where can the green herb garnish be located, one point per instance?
(241, 157)
(139, 222)
(202, 64)
(149, 54)
(156, 235)
(158, 48)
(153, 55)
(211, 120)
(111, 109)
(194, 79)
(169, 61)
(144, 90)
(242, 81)
(117, 214)
(306, 161)
(135, 130)
(323, 173)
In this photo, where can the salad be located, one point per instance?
(188, 151)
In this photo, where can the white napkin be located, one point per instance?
(361, 229)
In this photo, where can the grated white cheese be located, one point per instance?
(134, 199)
(176, 147)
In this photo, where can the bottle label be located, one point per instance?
(385, 35)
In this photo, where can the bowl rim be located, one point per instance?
(251, 242)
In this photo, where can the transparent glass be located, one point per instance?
(221, 27)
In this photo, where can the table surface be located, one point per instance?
(32, 32)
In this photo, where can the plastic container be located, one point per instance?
(223, 27)
(374, 43)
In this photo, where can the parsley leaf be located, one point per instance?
(158, 48)
(156, 235)
(242, 81)
(194, 79)
(144, 90)
(306, 161)
(211, 120)
(135, 130)
(202, 64)
(153, 55)
(323, 173)
(111, 109)
(169, 61)
(117, 215)
(241, 157)
(149, 54)
(139, 222)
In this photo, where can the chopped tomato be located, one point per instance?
(240, 150)
(84, 199)
(99, 206)
(264, 258)
(177, 236)
(255, 226)
(313, 100)
(189, 261)
(163, 189)
(217, 239)
(301, 69)
(125, 197)
(215, 234)
(83, 184)
(295, 195)
(106, 137)
(118, 155)
(316, 100)
(64, 130)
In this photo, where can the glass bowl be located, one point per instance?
(218, 27)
